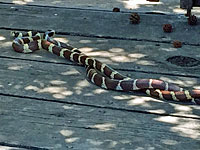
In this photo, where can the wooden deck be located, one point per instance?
(46, 103)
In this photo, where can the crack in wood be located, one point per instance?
(97, 106)
(22, 146)
(49, 124)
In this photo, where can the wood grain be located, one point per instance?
(53, 125)
(47, 103)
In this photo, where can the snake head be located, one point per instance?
(49, 33)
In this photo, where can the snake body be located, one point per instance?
(99, 73)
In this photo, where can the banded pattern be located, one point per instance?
(99, 73)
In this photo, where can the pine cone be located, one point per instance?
(177, 44)
(167, 28)
(134, 18)
(192, 20)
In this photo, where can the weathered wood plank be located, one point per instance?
(66, 83)
(137, 56)
(163, 6)
(53, 125)
(98, 23)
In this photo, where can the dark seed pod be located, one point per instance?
(192, 20)
(167, 28)
(177, 44)
(134, 18)
(116, 9)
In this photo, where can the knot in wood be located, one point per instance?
(134, 18)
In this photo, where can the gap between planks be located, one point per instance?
(98, 106)
(17, 146)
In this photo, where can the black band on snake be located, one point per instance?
(99, 73)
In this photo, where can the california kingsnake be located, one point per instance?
(99, 73)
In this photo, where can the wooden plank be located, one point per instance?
(66, 83)
(163, 6)
(108, 5)
(98, 23)
(52, 125)
(136, 56)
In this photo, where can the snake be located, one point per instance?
(100, 73)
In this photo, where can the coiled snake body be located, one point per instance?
(99, 73)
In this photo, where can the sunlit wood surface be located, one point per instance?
(46, 102)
